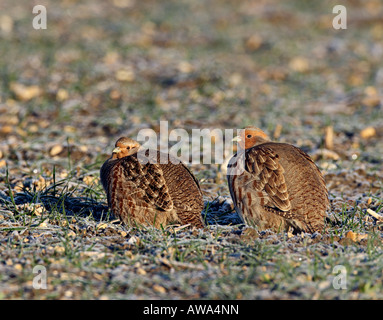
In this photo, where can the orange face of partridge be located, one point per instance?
(250, 137)
(125, 147)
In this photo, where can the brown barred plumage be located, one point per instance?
(276, 185)
(150, 192)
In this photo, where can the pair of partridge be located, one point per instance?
(150, 188)
(273, 186)
(276, 185)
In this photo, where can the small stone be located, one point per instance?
(329, 138)
(299, 64)
(355, 236)
(324, 154)
(62, 95)
(185, 67)
(3, 163)
(235, 79)
(158, 288)
(43, 225)
(18, 267)
(370, 91)
(6, 130)
(368, 132)
(70, 129)
(89, 180)
(140, 271)
(115, 94)
(125, 75)
(254, 42)
(102, 226)
(372, 101)
(6, 24)
(23, 92)
(59, 249)
(55, 150)
(123, 233)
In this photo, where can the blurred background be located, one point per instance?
(103, 69)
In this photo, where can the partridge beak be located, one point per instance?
(237, 139)
(116, 150)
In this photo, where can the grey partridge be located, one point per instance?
(150, 187)
(276, 185)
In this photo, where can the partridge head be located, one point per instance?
(125, 147)
(250, 137)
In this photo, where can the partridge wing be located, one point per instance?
(268, 178)
(131, 185)
(148, 180)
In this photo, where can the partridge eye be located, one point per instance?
(248, 136)
(128, 148)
